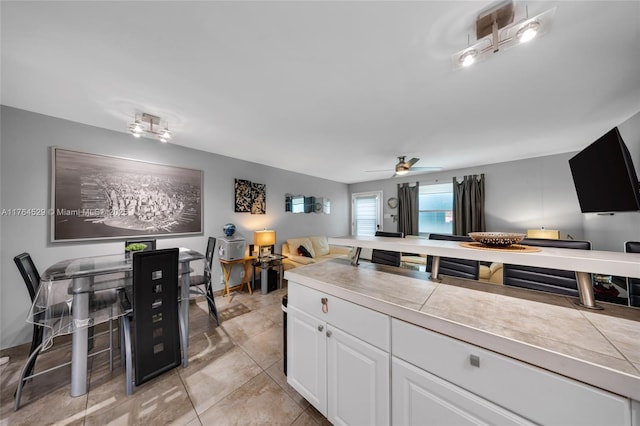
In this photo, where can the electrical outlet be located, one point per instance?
(221, 279)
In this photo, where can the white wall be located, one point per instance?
(26, 139)
(609, 232)
(520, 195)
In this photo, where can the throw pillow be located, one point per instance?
(302, 251)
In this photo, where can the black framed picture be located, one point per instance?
(243, 199)
(97, 196)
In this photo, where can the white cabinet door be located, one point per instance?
(358, 381)
(307, 357)
(420, 398)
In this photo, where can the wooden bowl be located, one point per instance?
(496, 239)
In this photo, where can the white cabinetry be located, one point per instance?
(532, 393)
(307, 357)
(420, 398)
(338, 357)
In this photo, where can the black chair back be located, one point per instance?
(31, 279)
(460, 268)
(545, 279)
(150, 244)
(386, 257)
(29, 273)
(211, 246)
(155, 313)
(633, 284)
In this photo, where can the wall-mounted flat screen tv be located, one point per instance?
(604, 176)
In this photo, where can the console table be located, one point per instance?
(227, 266)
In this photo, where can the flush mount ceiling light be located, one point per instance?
(495, 31)
(147, 124)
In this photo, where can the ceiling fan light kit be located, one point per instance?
(495, 31)
(403, 167)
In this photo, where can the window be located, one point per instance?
(366, 212)
(435, 209)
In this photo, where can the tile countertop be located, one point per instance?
(601, 348)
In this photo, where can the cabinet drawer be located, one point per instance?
(370, 326)
(536, 394)
(420, 398)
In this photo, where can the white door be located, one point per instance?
(366, 213)
(366, 216)
(307, 357)
(420, 398)
(357, 381)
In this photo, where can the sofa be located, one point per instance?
(318, 248)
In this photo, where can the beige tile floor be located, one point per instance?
(235, 376)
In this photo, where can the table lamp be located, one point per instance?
(264, 240)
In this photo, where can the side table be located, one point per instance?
(264, 263)
(227, 266)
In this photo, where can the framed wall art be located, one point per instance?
(250, 197)
(242, 196)
(104, 197)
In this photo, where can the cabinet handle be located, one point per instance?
(325, 305)
(474, 360)
(320, 327)
(329, 333)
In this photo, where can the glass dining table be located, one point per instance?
(77, 282)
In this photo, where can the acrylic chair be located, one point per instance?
(31, 278)
(152, 303)
(196, 282)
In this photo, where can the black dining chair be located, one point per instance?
(545, 279)
(387, 257)
(633, 284)
(196, 282)
(453, 267)
(152, 306)
(31, 278)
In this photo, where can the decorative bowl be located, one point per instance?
(496, 239)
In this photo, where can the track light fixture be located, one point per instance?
(150, 124)
(495, 31)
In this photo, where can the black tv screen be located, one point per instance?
(604, 176)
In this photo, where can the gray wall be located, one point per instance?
(609, 232)
(26, 139)
(520, 195)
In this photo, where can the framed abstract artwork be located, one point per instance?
(242, 196)
(104, 197)
(250, 197)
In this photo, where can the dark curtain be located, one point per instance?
(408, 209)
(468, 205)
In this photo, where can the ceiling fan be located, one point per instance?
(403, 167)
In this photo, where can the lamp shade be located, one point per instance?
(550, 234)
(264, 238)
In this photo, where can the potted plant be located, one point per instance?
(133, 247)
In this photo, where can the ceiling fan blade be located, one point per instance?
(416, 169)
(378, 171)
(411, 162)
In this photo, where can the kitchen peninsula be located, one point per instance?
(378, 345)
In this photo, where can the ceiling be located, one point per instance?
(328, 89)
